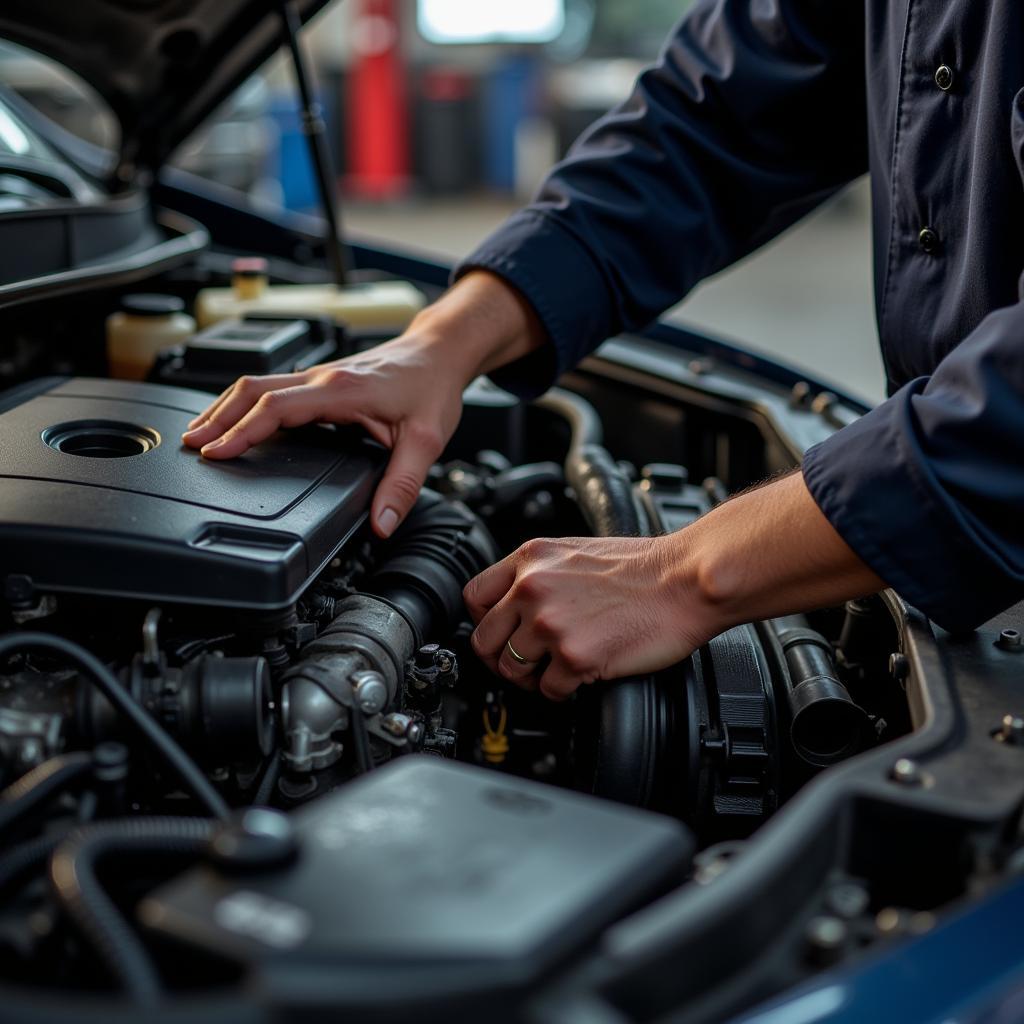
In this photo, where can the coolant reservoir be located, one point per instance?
(373, 307)
(143, 326)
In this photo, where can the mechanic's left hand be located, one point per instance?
(583, 609)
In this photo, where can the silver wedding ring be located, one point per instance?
(516, 656)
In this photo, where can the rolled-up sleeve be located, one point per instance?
(928, 488)
(753, 114)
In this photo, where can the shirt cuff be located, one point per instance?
(873, 483)
(555, 273)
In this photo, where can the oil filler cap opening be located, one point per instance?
(101, 439)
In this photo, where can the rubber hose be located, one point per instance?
(25, 856)
(140, 720)
(631, 717)
(78, 891)
(41, 784)
(604, 492)
(584, 424)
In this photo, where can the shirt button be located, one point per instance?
(944, 77)
(928, 241)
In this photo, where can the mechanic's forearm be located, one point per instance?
(480, 324)
(768, 552)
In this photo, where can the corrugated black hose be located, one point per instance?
(78, 891)
(42, 784)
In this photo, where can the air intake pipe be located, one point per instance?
(357, 664)
(826, 725)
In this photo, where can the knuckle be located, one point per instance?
(247, 385)
(406, 486)
(335, 376)
(535, 547)
(544, 625)
(426, 437)
(269, 400)
(531, 586)
(573, 657)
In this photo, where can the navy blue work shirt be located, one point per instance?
(757, 111)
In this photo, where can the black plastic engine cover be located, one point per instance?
(99, 496)
(428, 880)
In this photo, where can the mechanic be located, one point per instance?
(756, 112)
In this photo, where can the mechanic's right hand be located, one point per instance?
(407, 393)
(396, 391)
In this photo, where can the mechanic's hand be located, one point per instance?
(396, 391)
(579, 610)
(582, 609)
(407, 393)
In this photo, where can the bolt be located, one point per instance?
(426, 654)
(906, 772)
(371, 691)
(823, 402)
(800, 396)
(899, 667)
(1010, 640)
(890, 920)
(847, 899)
(1011, 731)
(825, 937)
(397, 724)
(414, 734)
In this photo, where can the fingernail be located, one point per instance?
(212, 445)
(387, 521)
(193, 423)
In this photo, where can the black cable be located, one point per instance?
(314, 129)
(268, 783)
(137, 716)
(77, 889)
(41, 784)
(360, 741)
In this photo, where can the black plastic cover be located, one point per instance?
(428, 876)
(99, 496)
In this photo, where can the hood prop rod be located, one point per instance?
(315, 131)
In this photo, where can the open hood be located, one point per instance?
(162, 65)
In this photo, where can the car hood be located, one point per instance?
(162, 65)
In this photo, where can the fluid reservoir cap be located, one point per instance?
(249, 266)
(151, 305)
(254, 839)
(249, 277)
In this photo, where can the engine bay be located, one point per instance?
(251, 765)
(219, 664)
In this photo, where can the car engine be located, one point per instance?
(213, 675)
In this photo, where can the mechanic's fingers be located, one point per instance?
(288, 407)
(232, 406)
(486, 590)
(521, 670)
(494, 629)
(411, 458)
(558, 683)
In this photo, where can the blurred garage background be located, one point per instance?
(444, 114)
